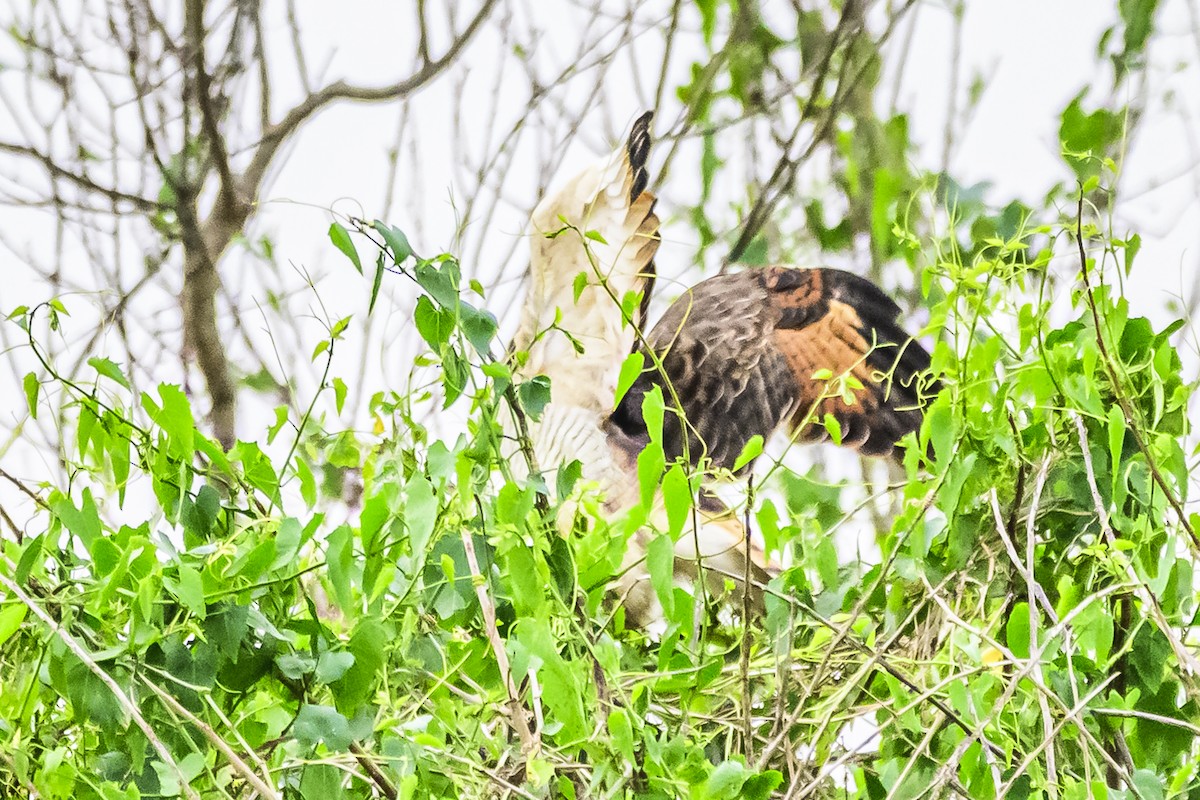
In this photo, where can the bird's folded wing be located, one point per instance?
(745, 354)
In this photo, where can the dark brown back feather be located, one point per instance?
(740, 353)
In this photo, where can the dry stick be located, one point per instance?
(495, 777)
(122, 699)
(1139, 587)
(923, 747)
(263, 787)
(1063, 628)
(1048, 739)
(785, 171)
(747, 710)
(1033, 588)
(828, 767)
(32, 495)
(1159, 718)
(228, 723)
(530, 744)
(1131, 417)
(876, 658)
(378, 776)
(1060, 628)
(840, 635)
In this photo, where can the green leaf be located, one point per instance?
(1149, 785)
(563, 688)
(420, 512)
(175, 419)
(323, 782)
(528, 587)
(708, 19)
(308, 483)
(341, 240)
(376, 283)
(11, 617)
(119, 459)
(500, 373)
(83, 522)
(940, 422)
(725, 782)
(369, 644)
(395, 240)
(1132, 247)
(595, 236)
(760, 787)
(332, 665)
(833, 428)
(677, 498)
(621, 733)
(1138, 16)
(455, 371)
(534, 395)
(339, 394)
(478, 326)
(317, 724)
(631, 368)
(188, 589)
(566, 479)
(339, 558)
(257, 469)
(653, 410)
(32, 388)
(295, 666)
(1017, 630)
(108, 369)
(441, 281)
(650, 465)
(826, 559)
(434, 324)
(752, 450)
(660, 563)
(1116, 441)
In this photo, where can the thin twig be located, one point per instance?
(123, 699)
(530, 743)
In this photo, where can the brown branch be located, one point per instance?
(205, 244)
(784, 175)
(261, 784)
(218, 154)
(82, 181)
(378, 776)
(17, 482)
(277, 134)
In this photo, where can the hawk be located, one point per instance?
(737, 356)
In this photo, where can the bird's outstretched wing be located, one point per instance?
(600, 224)
(745, 354)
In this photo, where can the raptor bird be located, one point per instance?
(740, 355)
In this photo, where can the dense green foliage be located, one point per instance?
(1024, 628)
